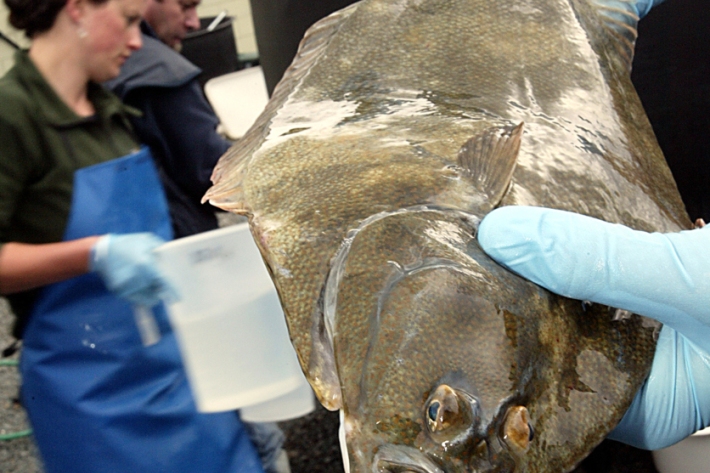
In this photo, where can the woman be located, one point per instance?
(81, 209)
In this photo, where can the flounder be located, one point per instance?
(398, 126)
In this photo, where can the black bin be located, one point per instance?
(279, 26)
(215, 52)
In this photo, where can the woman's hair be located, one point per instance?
(36, 16)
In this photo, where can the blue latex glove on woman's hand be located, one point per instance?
(662, 276)
(127, 265)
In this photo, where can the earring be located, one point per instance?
(81, 31)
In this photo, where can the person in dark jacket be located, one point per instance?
(178, 124)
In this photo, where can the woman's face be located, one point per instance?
(113, 33)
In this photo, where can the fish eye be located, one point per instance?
(434, 411)
(444, 409)
(518, 431)
(450, 414)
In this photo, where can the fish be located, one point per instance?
(398, 126)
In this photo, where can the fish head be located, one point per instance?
(453, 433)
(442, 374)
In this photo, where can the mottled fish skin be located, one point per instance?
(440, 313)
(399, 125)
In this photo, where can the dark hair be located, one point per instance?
(36, 16)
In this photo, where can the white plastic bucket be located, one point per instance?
(691, 455)
(229, 323)
(291, 405)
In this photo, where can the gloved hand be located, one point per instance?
(662, 276)
(642, 7)
(128, 268)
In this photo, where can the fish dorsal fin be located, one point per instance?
(619, 20)
(488, 160)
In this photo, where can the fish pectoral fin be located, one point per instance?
(488, 160)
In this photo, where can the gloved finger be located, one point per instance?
(137, 246)
(627, 11)
(663, 276)
(644, 6)
(164, 290)
(147, 295)
(128, 266)
(112, 253)
(147, 287)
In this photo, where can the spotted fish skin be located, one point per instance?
(398, 126)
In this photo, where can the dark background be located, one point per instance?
(672, 76)
(671, 72)
(279, 26)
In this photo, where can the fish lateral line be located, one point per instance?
(334, 278)
(322, 365)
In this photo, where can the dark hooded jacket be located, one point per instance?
(178, 125)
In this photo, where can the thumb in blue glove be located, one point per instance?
(127, 265)
(662, 276)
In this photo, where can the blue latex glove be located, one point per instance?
(640, 8)
(644, 6)
(662, 276)
(128, 268)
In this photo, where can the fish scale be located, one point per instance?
(398, 126)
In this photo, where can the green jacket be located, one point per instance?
(42, 143)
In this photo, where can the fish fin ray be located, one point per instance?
(620, 21)
(488, 160)
(321, 370)
(322, 374)
(231, 168)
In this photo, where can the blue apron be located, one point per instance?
(97, 398)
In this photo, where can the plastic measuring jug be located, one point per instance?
(229, 324)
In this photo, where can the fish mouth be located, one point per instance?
(402, 459)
